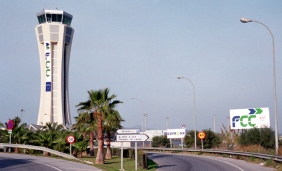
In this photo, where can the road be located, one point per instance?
(21, 162)
(186, 162)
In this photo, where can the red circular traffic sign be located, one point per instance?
(10, 124)
(70, 139)
(201, 135)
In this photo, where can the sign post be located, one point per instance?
(121, 157)
(135, 155)
(10, 139)
(10, 126)
(125, 135)
(202, 135)
(71, 140)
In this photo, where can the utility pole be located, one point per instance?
(22, 115)
(166, 122)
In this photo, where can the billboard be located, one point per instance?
(176, 133)
(249, 118)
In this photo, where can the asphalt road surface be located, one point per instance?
(21, 162)
(186, 162)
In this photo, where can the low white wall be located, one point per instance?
(118, 144)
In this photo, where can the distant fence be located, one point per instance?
(22, 146)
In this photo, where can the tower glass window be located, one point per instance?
(67, 20)
(49, 17)
(41, 19)
(56, 17)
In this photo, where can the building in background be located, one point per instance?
(54, 38)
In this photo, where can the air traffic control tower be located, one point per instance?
(54, 38)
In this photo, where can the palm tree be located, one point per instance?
(78, 137)
(4, 137)
(111, 125)
(82, 123)
(47, 135)
(85, 123)
(59, 143)
(99, 103)
(80, 146)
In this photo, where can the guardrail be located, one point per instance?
(38, 148)
(229, 152)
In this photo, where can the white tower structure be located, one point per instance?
(54, 38)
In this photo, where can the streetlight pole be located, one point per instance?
(166, 122)
(145, 127)
(245, 20)
(22, 115)
(142, 111)
(214, 123)
(180, 77)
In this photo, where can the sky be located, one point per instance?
(137, 48)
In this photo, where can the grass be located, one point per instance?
(114, 164)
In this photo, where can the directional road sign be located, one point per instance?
(132, 137)
(128, 131)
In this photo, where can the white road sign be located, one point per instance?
(128, 131)
(176, 133)
(132, 137)
(70, 139)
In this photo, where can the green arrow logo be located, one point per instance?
(259, 110)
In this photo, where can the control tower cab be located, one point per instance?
(51, 16)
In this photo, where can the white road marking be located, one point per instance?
(226, 163)
(211, 159)
(48, 165)
(217, 160)
(38, 162)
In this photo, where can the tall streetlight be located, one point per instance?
(245, 20)
(214, 123)
(180, 77)
(166, 122)
(145, 123)
(22, 115)
(133, 98)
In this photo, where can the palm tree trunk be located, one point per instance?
(46, 153)
(74, 153)
(16, 150)
(109, 152)
(100, 152)
(91, 152)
